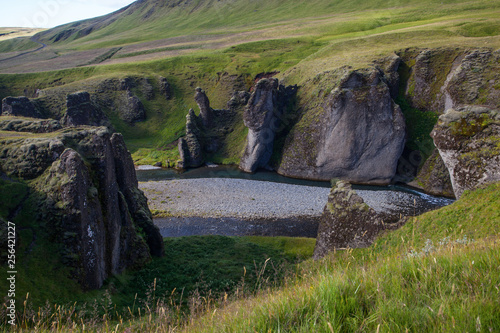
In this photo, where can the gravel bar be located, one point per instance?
(225, 197)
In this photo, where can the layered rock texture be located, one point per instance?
(352, 130)
(348, 222)
(262, 116)
(206, 112)
(468, 140)
(85, 183)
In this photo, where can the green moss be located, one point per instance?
(470, 126)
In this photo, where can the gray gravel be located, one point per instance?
(215, 197)
(226, 197)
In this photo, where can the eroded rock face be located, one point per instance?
(20, 107)
(262, 117)
(347, 222)
(81, 111)
(165, 88)
(355, 132)
(89, 200)
(468, 140)
(190, 149)
(206, 112)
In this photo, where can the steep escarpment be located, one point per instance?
(350, 129)
(84, 183)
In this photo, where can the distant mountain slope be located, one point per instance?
(147, 20)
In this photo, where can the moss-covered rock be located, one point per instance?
(85, 184)
(348, 222)
(468, 140)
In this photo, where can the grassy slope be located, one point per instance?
(209, 16)
(437, 273)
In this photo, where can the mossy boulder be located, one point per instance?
(348, 222)
(468, 140)
(17, 124)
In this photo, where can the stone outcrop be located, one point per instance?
(165, 88)
(262, 116)
(190, 149)
(468, 140)
(206, 112)
(130, 108)
(238, 99)
(353, 130)
(348, 222)
(81, 111)
(89, 200)
(20, 107)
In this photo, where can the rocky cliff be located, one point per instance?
(350, 129)
(262, 117)
(85, 183)
(468, 140)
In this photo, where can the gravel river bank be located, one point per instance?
(237, 207)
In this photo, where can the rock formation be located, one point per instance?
(89, 200)
(130, 108)
(468, 140)
(262, 117)
(19, 106)
(348, 222)
(81, 111)
(206, 112)
(353, 131)
(190, 149)
(165, 88)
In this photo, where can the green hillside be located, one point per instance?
(152, 20)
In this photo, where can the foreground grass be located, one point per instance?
(440, 273)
